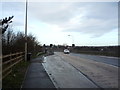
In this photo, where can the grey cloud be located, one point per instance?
(17, 9)
(93, 27)
(103, 10)
(101, 18)
(97, 19)
(13, 6)
(55, 13)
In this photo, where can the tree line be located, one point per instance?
(13, 42)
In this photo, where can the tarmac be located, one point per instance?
(36, 76)
(65, 75)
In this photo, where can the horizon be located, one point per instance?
(83, 46)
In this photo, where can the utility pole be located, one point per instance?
(0, 54)
(26, 32)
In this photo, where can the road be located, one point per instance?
(81, 71)
(105, 59)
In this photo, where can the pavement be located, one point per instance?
(36, 76)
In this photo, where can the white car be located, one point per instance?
(66, 51)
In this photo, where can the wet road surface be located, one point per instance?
(105, 59)
(64, 75)
(72, 71)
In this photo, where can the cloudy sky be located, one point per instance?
(81, 23)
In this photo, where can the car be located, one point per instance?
(66, 51)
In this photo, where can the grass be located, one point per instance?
(16, 77)
(38, 54)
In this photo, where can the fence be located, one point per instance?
(9, 61)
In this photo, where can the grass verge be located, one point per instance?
(16, 77)
(38, 54)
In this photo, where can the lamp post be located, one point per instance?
(26, 33)
(1, 54)
(72, 38)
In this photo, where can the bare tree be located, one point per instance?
(5, 23)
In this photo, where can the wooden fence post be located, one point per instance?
(9, 64)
